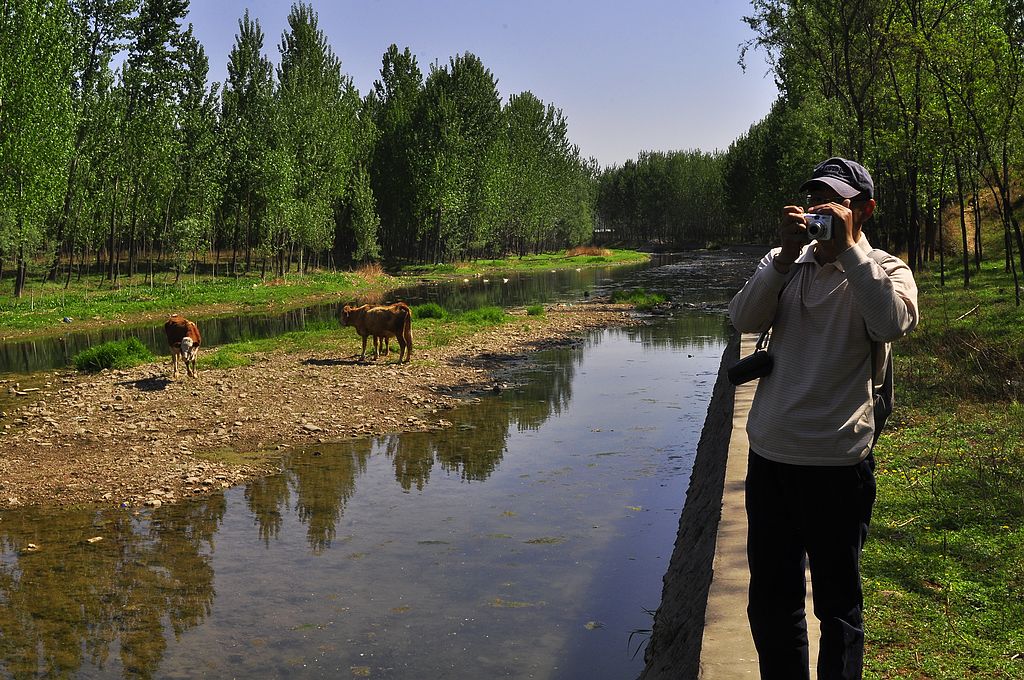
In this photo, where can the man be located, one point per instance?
(832, 306)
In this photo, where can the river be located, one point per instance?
(529, 540)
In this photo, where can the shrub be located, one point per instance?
(115, 354)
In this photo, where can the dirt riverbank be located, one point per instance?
(137, 437)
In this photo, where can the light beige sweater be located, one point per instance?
(815, 408)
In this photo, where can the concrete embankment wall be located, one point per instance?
(675, 644)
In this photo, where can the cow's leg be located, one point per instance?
(174, 363)
(362, 356)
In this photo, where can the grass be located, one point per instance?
(440, 327)
(430, 310)
(639, 297)
(114, 354)
(94, 302)
(433, 326)
(535, 310)
(577, 257)
(944, 566)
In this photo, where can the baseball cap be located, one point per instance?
(848, 178)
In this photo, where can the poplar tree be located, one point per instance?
(246, 114)
(317, 119)
(393, 103)
(37, 122)
(200, 164)
(458, 124)
(100, 29)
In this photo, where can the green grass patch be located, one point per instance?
(970, 342)
(535, 310)
(429, 310)
(224, 357)
(559, 260)
(435, 326)
(483, 316)
(638, 297)
(93, 300)
(944, 564)
(115, 354)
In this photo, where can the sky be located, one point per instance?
(629, 75)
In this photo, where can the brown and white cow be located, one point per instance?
(184, 340)
(382, 322)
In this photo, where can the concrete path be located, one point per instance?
(727, 651)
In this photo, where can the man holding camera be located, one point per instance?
(833, 304)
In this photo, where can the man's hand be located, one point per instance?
(793, 235)
(842, 223)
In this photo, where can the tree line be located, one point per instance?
(926, 93)
(117, 155)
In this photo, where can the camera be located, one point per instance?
(819, 227)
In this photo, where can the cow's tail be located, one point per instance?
(407, 329)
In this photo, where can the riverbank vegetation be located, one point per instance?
(54, 308)
(435, 326)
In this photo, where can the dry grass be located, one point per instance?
(370, 271)
(588, 250)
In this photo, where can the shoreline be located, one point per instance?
(375, 287)
(136, 437)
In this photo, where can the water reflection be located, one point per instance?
(96, 588)
(479, 551)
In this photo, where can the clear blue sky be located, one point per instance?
(629, 76)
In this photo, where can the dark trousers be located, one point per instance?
(821, 513)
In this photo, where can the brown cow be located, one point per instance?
(184, 340)
(382, 322)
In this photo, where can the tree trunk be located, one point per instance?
(963, 223)
(133, 235)
(113, 230)
(248, 232)
(20, 267)
(62, 222)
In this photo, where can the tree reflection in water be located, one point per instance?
(323, 478)
(72, 600)
(73, 607)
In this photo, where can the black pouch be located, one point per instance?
(757, 365)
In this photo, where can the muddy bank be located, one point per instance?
(138, 437)
(675, 645)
